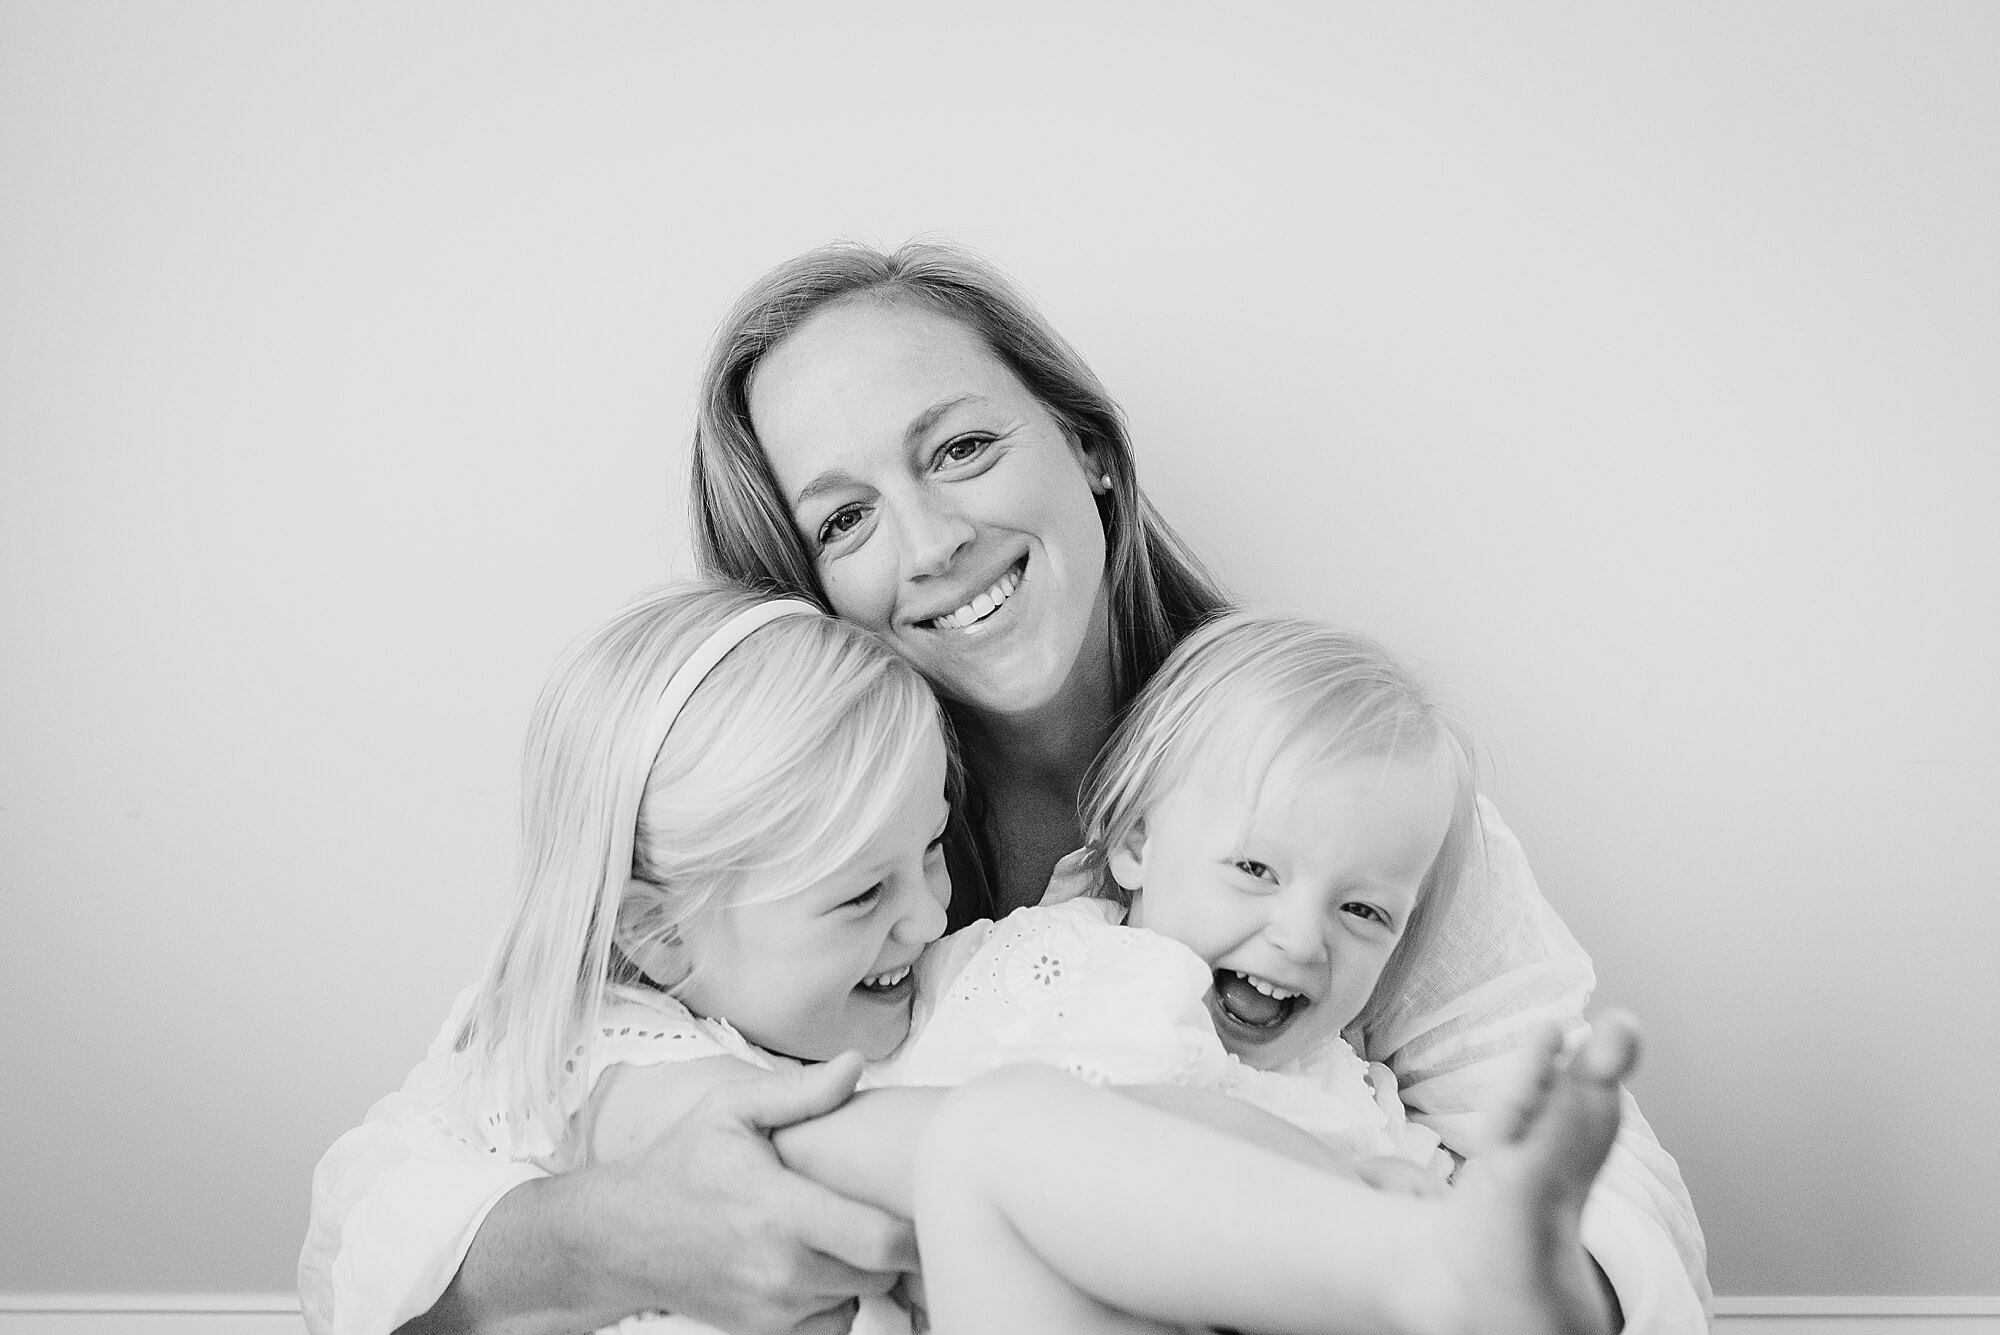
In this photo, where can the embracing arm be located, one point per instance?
(1450, 1040)
(414, 1229)
(701, 1220)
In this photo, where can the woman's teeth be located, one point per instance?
(981, 607)
(882, 982)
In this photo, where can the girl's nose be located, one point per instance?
(932, 536)
(922, 920)
(1297, 929)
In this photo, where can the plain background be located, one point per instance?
(1632, 369)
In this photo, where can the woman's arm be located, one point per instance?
(1505, 965)
(412, 1225)
(701, 1219)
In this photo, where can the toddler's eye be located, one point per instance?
(1252, 867)
(840, 523)
(1365, 911)
(865, 898)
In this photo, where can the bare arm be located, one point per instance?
(866, 1149)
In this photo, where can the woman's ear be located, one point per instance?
(652, 948)
(1127, 859)
(1093, 467)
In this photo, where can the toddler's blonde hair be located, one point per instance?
(1252, 690)
(784, 761)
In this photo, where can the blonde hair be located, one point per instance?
(784, 759)
(1260, 688)
(743, 529)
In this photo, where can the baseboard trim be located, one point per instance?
(150, 1314)
(1851, 1305)
(179, 1304)
(278, 1314)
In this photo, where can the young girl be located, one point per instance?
(1285, 809)
(734, 812)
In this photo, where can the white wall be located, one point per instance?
(1632, 367)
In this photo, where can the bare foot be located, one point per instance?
(1513, 1257)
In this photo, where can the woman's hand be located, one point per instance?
(704, 1222)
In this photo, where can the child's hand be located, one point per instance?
(1386, 1172)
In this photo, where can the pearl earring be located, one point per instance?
(1104, 481)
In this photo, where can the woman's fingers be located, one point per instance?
(786, 1097)
(869, 1241)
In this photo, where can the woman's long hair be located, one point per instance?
(783, 762)
(744, 530)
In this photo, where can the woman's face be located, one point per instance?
(945, 507)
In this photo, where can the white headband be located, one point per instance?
(690, 674)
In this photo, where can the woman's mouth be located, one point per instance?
(983, 604)
(1255, 1003)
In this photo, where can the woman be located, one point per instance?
(903, 437)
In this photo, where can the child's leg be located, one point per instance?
(1045, 1204)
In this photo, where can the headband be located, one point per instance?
(690, 674)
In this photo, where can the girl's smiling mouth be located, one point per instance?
(888, 983)
(983, 604)
(1254, 1004)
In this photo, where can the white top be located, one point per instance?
(398, 1200)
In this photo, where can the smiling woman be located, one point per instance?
(875, 431)
(903, 438)
(945, 507)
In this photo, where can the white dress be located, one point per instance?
(1066, 985)
(398, 1200)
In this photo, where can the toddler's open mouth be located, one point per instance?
(1257, 1003)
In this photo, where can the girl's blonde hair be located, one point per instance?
(783, 762)
(1257, 689)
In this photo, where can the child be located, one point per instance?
(1285, 809)
(732, 860)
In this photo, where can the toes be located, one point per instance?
(1612, 1051)
(1536, 1077)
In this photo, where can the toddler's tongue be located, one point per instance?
(1245, 1002)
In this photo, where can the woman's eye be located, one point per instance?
(962, 450)
(840, 523)
(1252, 867)
(865, 898)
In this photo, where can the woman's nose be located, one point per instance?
(933, 536)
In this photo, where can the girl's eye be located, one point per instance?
(865, 898)
(840, 523)
(1252, 867)
(1365, 911)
